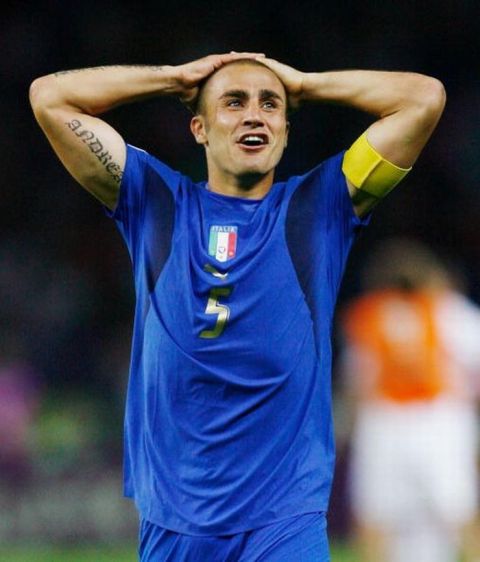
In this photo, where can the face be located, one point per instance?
(243, 123)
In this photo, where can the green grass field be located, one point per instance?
(42, 553)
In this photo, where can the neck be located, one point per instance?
(248, 186)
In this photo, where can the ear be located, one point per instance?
(197, 126)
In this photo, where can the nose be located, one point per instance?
(252, 116)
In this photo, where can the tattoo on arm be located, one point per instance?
(153, 68)
(96, 147)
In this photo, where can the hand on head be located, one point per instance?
(292, 79)
(193, 73)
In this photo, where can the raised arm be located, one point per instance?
(407, 106)
(67, 104)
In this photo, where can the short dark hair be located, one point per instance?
(196, 105)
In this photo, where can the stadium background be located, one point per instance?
(65, 283)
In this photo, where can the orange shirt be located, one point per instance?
(398, 331)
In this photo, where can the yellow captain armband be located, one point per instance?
(369, 171)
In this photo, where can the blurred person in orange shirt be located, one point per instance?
(411, 352)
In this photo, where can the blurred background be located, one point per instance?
(66, 289)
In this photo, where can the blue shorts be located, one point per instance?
(300, 539)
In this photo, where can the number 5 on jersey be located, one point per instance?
(221, 310)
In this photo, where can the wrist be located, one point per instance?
(302, 87)
(313, 85)
(168, 78)
(296, 92)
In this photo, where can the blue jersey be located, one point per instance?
(228, 423)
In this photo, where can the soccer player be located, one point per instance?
(411, 369)
(229, 446)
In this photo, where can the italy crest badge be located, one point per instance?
(222, 242)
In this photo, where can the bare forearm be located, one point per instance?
(380, 93)
(99, 89)
(407, 106)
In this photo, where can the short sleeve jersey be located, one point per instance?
(228, 421)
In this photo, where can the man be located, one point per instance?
(228, 448)
(411, 367)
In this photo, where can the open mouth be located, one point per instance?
(251, 140)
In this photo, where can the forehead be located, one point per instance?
(248, 77)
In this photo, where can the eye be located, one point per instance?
(269, 104)
(235, 102)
